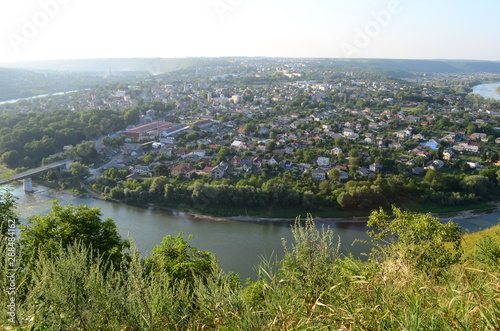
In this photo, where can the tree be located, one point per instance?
(222, 154)
(38, 149)
(79, 170)
(65, 226)
(476, 184)
(180, 260)
(161, 170)
(158, 186)
(417, 239)
(8, 219)
(11, 159)
(271, 145)
(250, 127)
(334, 174)
(85, 151)
(148, 159)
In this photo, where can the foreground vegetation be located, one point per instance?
(416, 278)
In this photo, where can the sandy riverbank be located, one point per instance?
(463, 215)
(467, 214)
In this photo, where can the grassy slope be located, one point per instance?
(470, 240)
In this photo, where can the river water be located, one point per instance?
(487, 90)
(37, 96)
(239, 246)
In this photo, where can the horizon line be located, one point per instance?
(244, 56)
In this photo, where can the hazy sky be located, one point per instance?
(416, 29)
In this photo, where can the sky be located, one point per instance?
(32, 30)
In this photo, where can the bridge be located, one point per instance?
(26, 175)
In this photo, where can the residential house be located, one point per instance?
(287, 164)
(184, 170)
(167, 151)
(235, 161)
(264, 130)
(336, 151)
(470, 147)
(318, 174)
(363, 171)
(447, 154)
(237, 144)
(343, 175)
(274, 160)
(261, 148)
(142, 169)
(181, 152)
(375, 167)
(418, 170)
(258, 161)
(133, 176)
(246, 164)
(218, 172)
(303, 166)
(479, 136)
(323, 161)
(407, 133)
(199, 152)
(207, 170)
(473, 164)
(435, 165)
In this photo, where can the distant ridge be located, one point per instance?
(441, 66)
(26, 79)
(22, 83)
(150, 65)
(162, 65)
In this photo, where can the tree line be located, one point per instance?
(293, 190)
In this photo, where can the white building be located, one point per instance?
(323, 161)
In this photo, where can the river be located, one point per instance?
(239, 246)
(487, 90)
(37, 96)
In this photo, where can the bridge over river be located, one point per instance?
(26, 175)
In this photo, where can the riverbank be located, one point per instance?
(462, 215)
(494, 207)
(467, 214)
(458, 215)
(453, 215)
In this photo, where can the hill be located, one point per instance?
(150, 65)
(162, 65)
(439, 66)
(22, 83)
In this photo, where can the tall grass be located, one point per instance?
(313, 287)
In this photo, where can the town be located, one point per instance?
(305, 133)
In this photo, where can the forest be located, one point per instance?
(26, 139)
